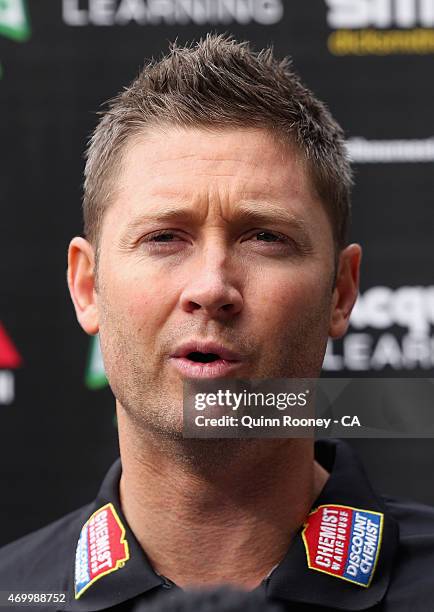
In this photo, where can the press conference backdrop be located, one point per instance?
(371, 61)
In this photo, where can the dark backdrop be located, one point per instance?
(60, 59)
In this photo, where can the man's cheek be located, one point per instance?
(144, 315)
(288, 297)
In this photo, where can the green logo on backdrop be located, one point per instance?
(95, 377)
(14, 21)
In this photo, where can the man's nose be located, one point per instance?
(211, 288)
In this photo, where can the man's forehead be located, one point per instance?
(167, 143)
(196, 178)
(173, 163)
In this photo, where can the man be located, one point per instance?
(216, 210)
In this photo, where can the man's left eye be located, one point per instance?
(269, 237)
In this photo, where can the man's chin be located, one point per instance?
(167, 426)
(201, 455)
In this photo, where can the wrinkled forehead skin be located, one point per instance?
(168, 168)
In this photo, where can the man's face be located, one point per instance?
(212, 236)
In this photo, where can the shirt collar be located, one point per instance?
(292, 580)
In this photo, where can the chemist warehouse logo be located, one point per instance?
(10, 359)
(343, 542)
(388, 329)
(14, 21)
(101, 549)
(170, 12)
(380, 27)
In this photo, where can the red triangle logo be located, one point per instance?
(9, 356)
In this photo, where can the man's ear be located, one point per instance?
(81, 283)
(346, 289)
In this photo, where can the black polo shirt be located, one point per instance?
(356, 551)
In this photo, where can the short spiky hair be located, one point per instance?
(214, 84)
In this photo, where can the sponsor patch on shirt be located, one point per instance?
(343, 542)
(101, 548)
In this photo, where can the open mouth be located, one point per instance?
(198, 357)
(204, 364)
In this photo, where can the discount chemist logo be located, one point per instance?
(343, 542)
(14, 21)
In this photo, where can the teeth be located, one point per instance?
(202, 357)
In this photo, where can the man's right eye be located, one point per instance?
(163, 241)
(162, 237)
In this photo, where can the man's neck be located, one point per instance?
(210, 512)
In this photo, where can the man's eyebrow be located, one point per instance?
(162, 214)
(258, 212)
(266, 212)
